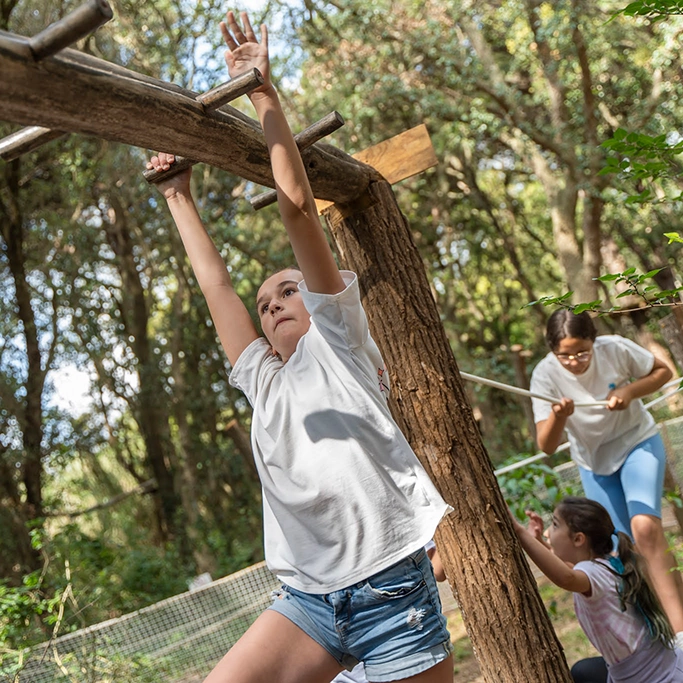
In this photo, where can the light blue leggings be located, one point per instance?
(635, 488)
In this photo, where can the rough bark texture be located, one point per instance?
(504, 615)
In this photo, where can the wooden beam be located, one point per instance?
(78, 93)
(213, 99)
(317, 131)
(398, 158)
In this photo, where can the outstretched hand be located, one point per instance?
(535, 525)
(244, 51)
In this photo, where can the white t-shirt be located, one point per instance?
(600, 439)
(613, 633)
(344, 496)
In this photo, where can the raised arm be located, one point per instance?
(550, 564)
(295, 198)
(232, 320)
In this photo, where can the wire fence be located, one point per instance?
(177, 640)
(180, 639)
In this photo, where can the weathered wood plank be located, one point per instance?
(399, 157)
(81, 94)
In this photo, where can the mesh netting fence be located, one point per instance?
(180, 639)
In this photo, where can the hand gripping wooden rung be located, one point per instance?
(213, 99)
(328, 124)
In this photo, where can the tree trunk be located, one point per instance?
(503, 612)
(149, 405)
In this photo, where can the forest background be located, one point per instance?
(517, 95)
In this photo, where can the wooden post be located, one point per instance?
(519, 357)
(672, 330)
(505, 618)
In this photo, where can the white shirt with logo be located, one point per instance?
(600, 439)
(344, 496)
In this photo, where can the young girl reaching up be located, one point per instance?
(617, 448)
(614, 602)
(347, 506)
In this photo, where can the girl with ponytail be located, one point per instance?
(614, 602)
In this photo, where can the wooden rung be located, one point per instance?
(212, 99)
(227, 92)
(307, 137)
(72, 27)
(26, 140)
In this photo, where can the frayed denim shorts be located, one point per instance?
(392, 621)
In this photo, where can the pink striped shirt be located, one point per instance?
(615, 634)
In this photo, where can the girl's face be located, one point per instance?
(575, 354)
(284, 318)
(568, 545)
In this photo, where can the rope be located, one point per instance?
(565, 446)
(524, 392)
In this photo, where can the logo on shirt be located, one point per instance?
(380, 376)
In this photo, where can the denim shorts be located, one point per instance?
(392, 621)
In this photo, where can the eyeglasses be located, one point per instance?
(580, 357)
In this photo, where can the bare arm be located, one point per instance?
(232, 320)
(552, 566)
(549, 432)
(295, 198)
(437, 565)
(619, 399)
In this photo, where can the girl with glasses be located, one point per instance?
(617, 447)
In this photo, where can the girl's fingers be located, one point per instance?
(227, 37)
(236, 29)
(264, 36)
(248, 30)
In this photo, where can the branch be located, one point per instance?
(146, 487)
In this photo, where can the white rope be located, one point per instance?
(524, 392)
(565, 445)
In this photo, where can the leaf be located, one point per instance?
(673, 237)
(580, 308)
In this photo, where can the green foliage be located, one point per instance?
(640, 157)
(534, 487)
(653, 9)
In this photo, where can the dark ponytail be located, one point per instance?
(594, 522)
(563, 323)
(637, 591)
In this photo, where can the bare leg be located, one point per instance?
(441, 673)
(275, 650)
(648, 535)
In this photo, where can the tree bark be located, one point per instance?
(504, 615)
